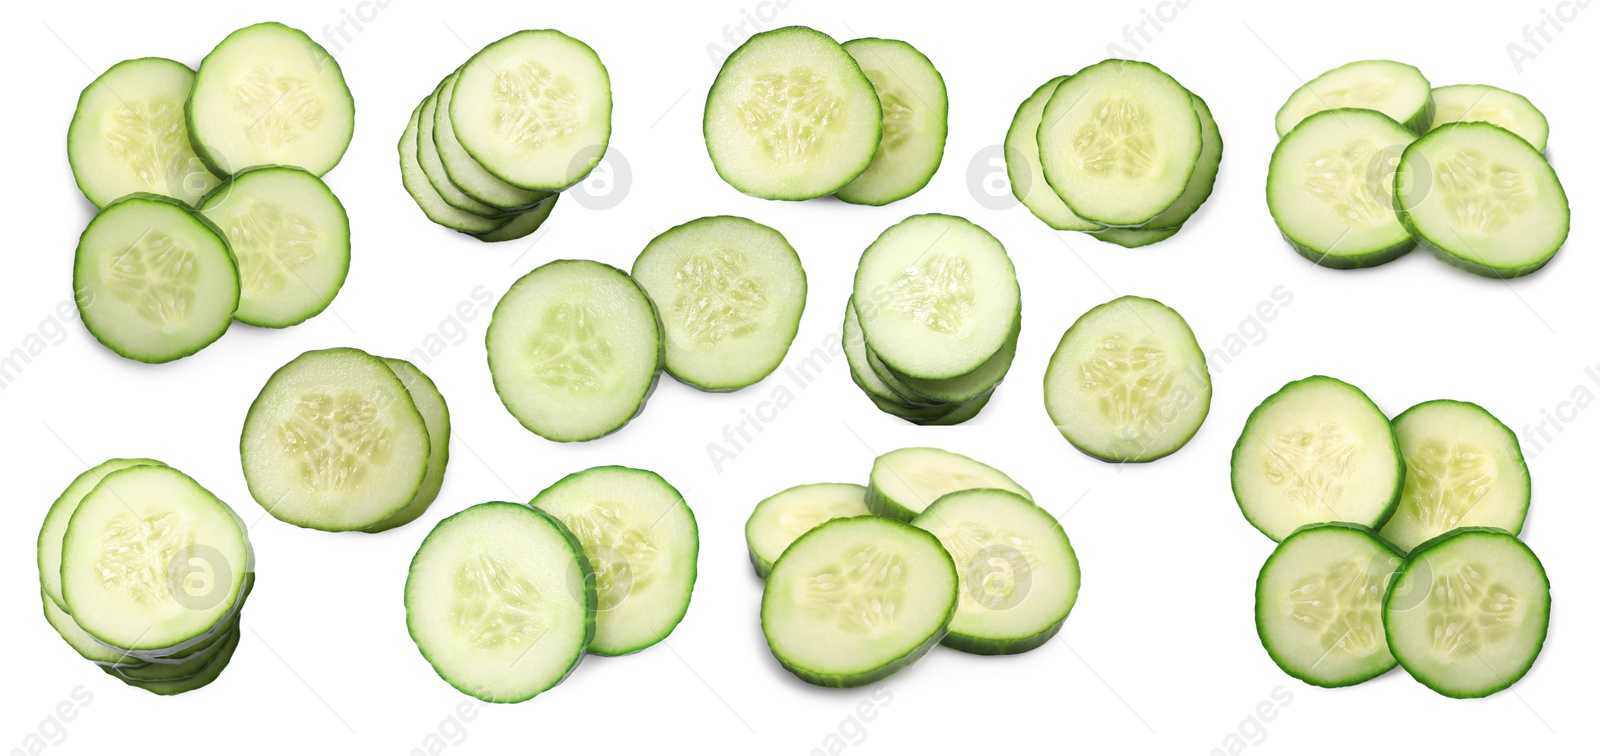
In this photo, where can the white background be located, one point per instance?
(1159, 656)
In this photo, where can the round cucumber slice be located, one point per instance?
(791, 116)
(1118, 142)
(1330, 187)
(501, 601)
(906, 481)
(534, 109)
(427, 198)
(1128, 382)
(730, 292)
(1482, 199)
(334, 442)
(290, 237)
(207, 674)
(1479, 102)
(914, 414)
(269, 95)
(854, 345)
(642, 541)
(937, 296)
(915, 108)
(84, 643)
(436, 416)
(1468, 613)
(980, 382)
(857, 599)
(1463, 468)
(129, 135)
(783, 517)
(1018, 573)
(1319, 604)
(1396, 90)
(154, 281)
(1023, 168)
(153, 562)
(60, 513)
(433, 165)
(1317, 451)
(462, 170)
(575, 349)
(1204, 179)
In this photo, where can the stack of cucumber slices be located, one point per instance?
(938, 548)
(211, 209)
(794, 115)
(144, 572)
(576, 346)
(932, 324)
(490, 148)
(341, 440)
(1118, 150)
(1375, 162)
(1397, 540)
(1128, 382)
(505, 599)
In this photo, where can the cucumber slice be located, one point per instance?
(731, 292)
(642, 541)
(960, 413)
(791, 116)
(55, 523)
(1319, 604)
(427, 198)
(1463, 468)
(334, 442)
(1396, 90)
(534, 109)
(522, 224)
(206, 676)
(904, 482)
(464, 172)
(153, 562)
(975, 384)
(857, 599)
(1133, 238)
(856, 356)
(82, 642)
(290, 237)
(1317, 451)
(1118, 142)
(915, 108)
(1024, 170)
(433, 165)
(908, 397)
(937, 296)
(914, 414)
(1482, 199)
(1330, 188)
(1018, 573)
(1204, 179)
(129, 135)
(575, 349)
(1468, 613)
(1479, 102)
(269, 95)
(155, 281)
(784, 516)
(185, 669)
(436, 416)
(501, 601)
(1128, 382)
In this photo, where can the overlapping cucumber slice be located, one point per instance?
(784, 516)
(129, 135)
(1396, 90)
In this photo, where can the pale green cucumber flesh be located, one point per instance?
(1463, 468)
(915, 106)
(905, 482)
(783, 517)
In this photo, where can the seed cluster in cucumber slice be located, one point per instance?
(144, 573)
(129, 135)
(1119, 150)
(1464, 468)
(1128, 382)
(1374, 162)
(931, 327)
(341, 440)
(491, 147)
(794, 115)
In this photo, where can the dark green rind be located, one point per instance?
(912, 414)
(79, 288)
(522, 224)
(1516, 447)
(1049, 368)
(439, 179)
(694, 561)
(93, 652)
(960, 414)
(440, 444)
(1014, 133)
(907, 396)
(1133, 238)
(1201, 182)
(844, 193)
(1420, 551)
(1261, 578)
(980, 382)
(422, 469)
(1464, 261)
(705, 120)
(206, 676)
(1233, 461)
(661, 352)
(865, 676)
(323, 59)
(79, 171)
(579, 560)
(191, 666)
(416, 184)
